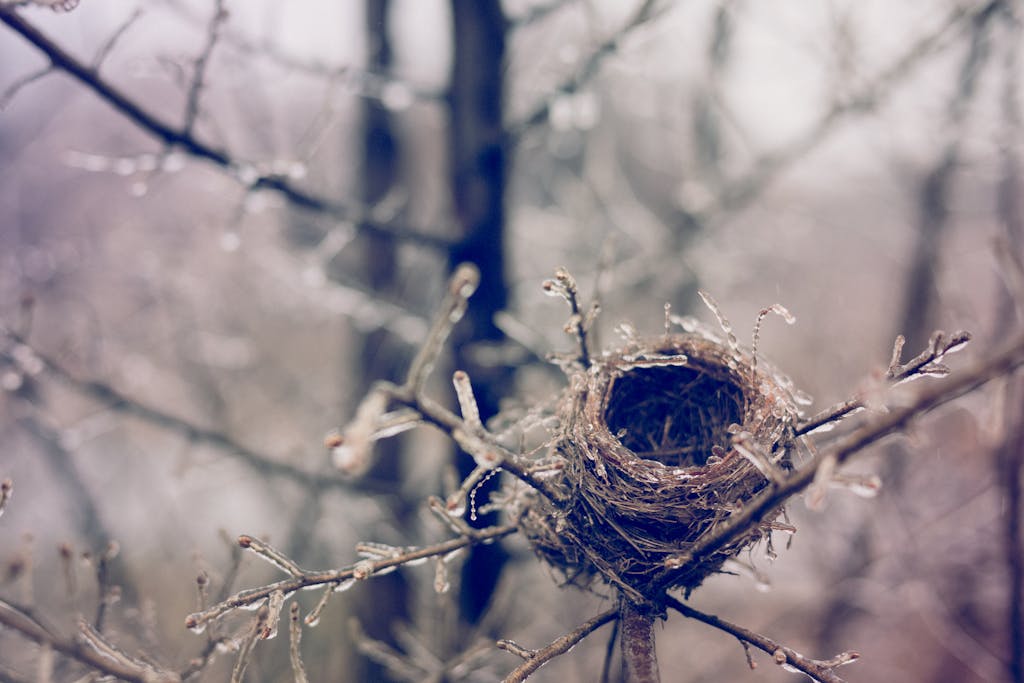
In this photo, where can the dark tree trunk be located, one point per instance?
(477, 159)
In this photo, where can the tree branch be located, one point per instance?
(783, 656)
(184, 139)
(998, 365)
(639, 658)
(89, 649)
(125, 405)
(361, 570)
(535, 659)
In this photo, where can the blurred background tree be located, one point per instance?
(220, 222)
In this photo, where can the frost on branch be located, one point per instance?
(662, 460)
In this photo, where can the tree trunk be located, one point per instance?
(639, 659)
(478, 176)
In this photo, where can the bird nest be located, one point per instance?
(661, 441)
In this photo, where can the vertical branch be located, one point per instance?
(478, 171)
(639, 659)
(195, 90)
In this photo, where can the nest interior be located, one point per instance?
(650, 464)
(673, 414)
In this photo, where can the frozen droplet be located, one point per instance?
(125, 167)
(362, 570)
(419, 560)
(247, 174)
(252, 606)
(28, 360)
(344, 585)
(173, 163)
(11, 380)
(867, 486)
(397, 96)
(686, 322)
(723, 322)
(626, 331)
(823, 427)
(441, 583)
(560, 114)
(801, 398)
(198, 628)
(453, 555)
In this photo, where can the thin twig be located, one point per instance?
(124, 668)
(927, 363)
(363, 569)
(535, 659)
(591, 65)
(195, 90)
(119, 402)
(998, 365)
(108, 46)
(183, 139)
(818, 670)
(14, 88)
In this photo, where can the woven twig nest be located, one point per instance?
(661, 441)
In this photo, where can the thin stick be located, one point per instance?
(318, 578)
(818, 670)
(125, 669)
(535, 659)
(1002, 363)
(183, 139)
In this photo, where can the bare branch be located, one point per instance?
(295, 644)
(363, 569)
(591, 65)
(92, 650)
(14, 88)
(998, 365)
(195, 90)
(108, 46)
(564, 285)
(926, 364)
(783, 656)
(461, 286)
(118, 402)
(183, 139)
(535, 659)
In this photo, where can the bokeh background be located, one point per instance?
(180, 333)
